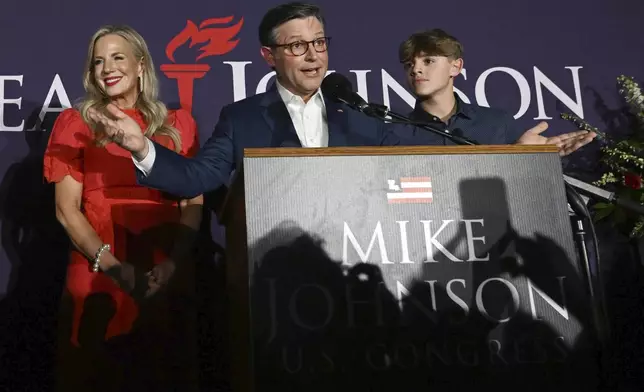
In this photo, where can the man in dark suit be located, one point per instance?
(293, 113)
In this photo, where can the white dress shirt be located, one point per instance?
(309, 120)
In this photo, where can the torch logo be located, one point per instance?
(217, 40)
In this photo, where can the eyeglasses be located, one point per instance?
(299, 48)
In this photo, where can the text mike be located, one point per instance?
(604, 195)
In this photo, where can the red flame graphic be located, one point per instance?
(219, 40)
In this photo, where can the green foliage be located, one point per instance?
(623, 161)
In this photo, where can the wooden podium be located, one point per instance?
(405, 268)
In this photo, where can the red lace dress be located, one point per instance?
(136, 221)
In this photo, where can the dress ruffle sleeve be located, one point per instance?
(65, 148)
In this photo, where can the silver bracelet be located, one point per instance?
(97, 258)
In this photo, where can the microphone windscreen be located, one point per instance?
(335, 84)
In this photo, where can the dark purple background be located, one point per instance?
(41, 39)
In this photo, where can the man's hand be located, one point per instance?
(567, 142)
(122, 130)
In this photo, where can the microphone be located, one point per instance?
(604, 195)
(339, 88)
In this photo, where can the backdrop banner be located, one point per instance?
(535, 60)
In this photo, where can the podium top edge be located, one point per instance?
(397, 150)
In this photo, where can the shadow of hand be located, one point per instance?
(159, 277)
(130, 279)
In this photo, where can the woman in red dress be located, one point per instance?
(131, 267)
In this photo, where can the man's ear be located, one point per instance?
(267, 55)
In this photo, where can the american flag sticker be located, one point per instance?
(410, 190)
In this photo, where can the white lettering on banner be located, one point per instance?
(404, 242)
(403, 293)
(553, 304)
(461, 95)
(522, 82)
(470, 239)
(431, 243)
(364, 256)
(427, 302)
(387, 82)
(263, 83)
(542, 80)
(56, 88)
(6, 101)
(239, 78)
(361, 85)
(481, 305)
(480, 90)
(455, 298)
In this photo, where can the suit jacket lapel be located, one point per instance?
(278, 120)
(337, 122)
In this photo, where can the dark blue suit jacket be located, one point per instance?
(261, 120)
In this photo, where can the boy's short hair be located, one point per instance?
(435, 42)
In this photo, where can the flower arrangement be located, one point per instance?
(621, 161)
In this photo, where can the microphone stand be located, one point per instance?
(575, 201)
(604, 195)
(595, 285)
(382, 111)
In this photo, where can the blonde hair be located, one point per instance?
(154, 111)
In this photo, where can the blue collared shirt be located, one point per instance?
(477, 123)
